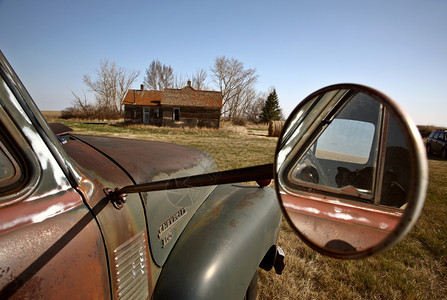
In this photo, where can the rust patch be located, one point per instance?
(217, 210)
(33, 290)
(245, 202)
(234, 223)
(209, 217)
(5, 272)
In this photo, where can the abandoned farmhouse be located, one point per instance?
(174, 107)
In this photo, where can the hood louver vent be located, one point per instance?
(131, 268)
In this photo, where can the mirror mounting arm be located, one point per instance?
(116, 198)
(261, 174)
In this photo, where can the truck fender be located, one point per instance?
(222, 246)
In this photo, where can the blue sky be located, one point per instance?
(398, 47)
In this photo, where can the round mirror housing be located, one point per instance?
(351, 171)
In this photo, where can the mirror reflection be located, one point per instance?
(344, 171)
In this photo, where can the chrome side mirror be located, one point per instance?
(351, 172)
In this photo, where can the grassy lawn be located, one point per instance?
(416, 268)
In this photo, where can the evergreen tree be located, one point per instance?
(272, 110)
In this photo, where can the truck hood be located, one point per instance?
(147, 161)
(167, 212)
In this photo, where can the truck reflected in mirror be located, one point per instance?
(351, 171)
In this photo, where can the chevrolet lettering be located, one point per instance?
(171, 222)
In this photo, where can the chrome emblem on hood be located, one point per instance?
(171, 222)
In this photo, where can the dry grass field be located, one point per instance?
(51, 115)
(416, 268)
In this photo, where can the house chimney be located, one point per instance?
(142, 87)
(189, 83)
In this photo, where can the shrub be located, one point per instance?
(239, 121)
(90, 112)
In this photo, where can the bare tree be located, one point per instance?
(80, 108)
(180, 81)
(111, 85)
(159, 76)
(151, 78)
(79, 103)
(243, 102)
(253, 111)
(235, 83)
(198, 80)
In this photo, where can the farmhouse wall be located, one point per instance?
(194, 107)
(134, 114)
(192, 116)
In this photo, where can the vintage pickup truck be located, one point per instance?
(85, 217)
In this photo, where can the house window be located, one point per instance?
(176, 114)
(156, 112)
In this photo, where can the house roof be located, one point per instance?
(139, 97)
(186, 96)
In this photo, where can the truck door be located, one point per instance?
(50, 243)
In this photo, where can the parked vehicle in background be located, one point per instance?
(437, 143)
